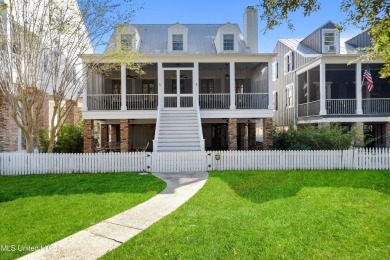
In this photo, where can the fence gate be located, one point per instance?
(178, 161)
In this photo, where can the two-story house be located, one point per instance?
(205, 87)
(318, 80)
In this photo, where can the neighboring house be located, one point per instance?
(313, 84)
(11, 137)
(206, 87)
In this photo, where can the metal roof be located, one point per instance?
(154, 38)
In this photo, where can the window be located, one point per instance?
(228, 42)
(207, 86)
(239, 86)
(148, 87)
(116, 87)
(288, 62)
(177, 42)
(275, 73)
(126, 42)
(330, 41)
(275, 94)
(290, 95)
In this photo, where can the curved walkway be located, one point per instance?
(107, 235)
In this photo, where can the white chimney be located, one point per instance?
(251, 31)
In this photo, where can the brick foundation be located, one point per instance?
(232, 134)
(114, 133)
(252, 136)
(124, 135)
(104, 135)
(72, 117)
(267, 133)
(9, 133)
(88, 138)
(359, 128)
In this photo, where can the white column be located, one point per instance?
(270, 88)
(123, 87)
(232, 85)
(195, 84)
(160, 84)
(85, 81)
(358, 86)
(85, 99)
(322, 89)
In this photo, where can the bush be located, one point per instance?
(325, 137)
(43, 140)
(70, 139)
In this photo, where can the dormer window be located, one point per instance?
(330, 41)
(126, 42)
(177, 42)
(228, 42)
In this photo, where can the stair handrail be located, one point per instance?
(156, 132)
(201, 140)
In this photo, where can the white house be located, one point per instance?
(318, 80)
(206, 87)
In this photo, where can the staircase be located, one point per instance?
(178, 130)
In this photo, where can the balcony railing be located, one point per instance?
(252, 100)
(214, 101)
(309, 109)
(341, 106)
(376, 106)
(142, 101)
(104, 102)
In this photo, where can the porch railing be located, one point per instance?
(341, 106)
(104, 101)
(252, 100)
(309, 109)
(142, 101)
(376, 105)
(214, 101)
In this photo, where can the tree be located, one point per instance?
(41, 42)
(372, 16)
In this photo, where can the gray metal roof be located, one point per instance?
(154, 38)
(296, 45)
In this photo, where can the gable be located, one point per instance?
(314, 40)
(361, 40)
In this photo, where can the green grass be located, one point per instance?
(275, 215)
(39, 210)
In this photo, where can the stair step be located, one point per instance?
(180, 141)
(173, 149)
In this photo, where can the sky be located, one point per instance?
(220, 12)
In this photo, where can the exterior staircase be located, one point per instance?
(178, 130)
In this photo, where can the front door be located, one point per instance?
(178, 90)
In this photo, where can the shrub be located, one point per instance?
(70, 139)
(43, 139)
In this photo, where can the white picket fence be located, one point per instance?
(361, 159)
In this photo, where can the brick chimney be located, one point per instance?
(251, 31)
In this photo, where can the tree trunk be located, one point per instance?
(52, 138)
(29, 143)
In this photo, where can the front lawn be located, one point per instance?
(41, 209)
(273, 215)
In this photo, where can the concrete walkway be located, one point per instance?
(107, 235)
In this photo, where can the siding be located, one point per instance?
(314, 40)
(361, 40)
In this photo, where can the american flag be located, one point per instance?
(368, 78)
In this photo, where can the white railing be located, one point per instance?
(142, 101)
(376, 105)
(252, 100)
(200, 130)
(104, 101)
(309, 109)
(186, 101)
(157, 131)
(170, 101)
(359, 159)
(214, 101)
(341, 106)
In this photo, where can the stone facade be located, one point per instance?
(88, 138)
(8, 129)
(104, 135)
(267, 133)
(252, 136)
(232, 134)
(124, 135)
(388, 135)
(359, 128)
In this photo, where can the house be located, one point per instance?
(318, 80)
(205, 87)
(50, 63)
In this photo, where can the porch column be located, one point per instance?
(160, 84)
(88, 136)
(232, 134)
(252, 136)
(270, 96)
(85, 99)
(267, 133)
(359, 128)
(387, 135)
(104, 136)
(195, 84)
(123, 87)
(233, 88)
(124, 135)
(358, 86)
(322, 89)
